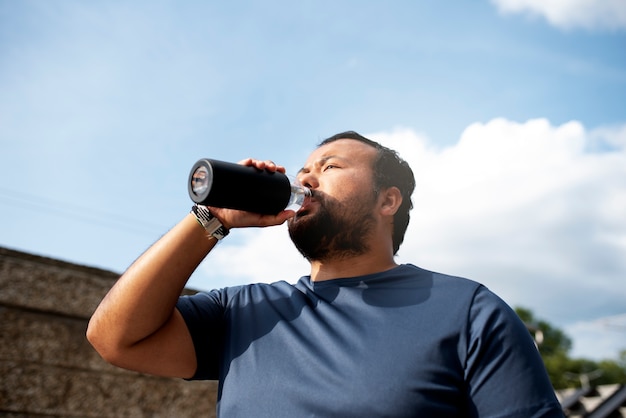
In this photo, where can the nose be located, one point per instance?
(308, 179)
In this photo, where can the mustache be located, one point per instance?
(320, 197)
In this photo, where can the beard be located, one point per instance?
(336, 230)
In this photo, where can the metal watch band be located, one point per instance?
(210, 223)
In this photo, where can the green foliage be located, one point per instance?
(566, 372)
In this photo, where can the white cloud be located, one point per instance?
(608, 137)
(566, 14)
(525, 208)
(523, 182)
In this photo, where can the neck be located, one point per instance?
(350, 266)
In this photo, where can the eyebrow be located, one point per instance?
(321, 162)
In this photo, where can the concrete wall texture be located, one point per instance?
(47, 367)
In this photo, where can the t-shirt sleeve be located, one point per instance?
(203, 313)
(505, 374)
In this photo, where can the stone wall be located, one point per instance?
(47, 367)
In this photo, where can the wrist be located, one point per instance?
(211, 224)
(220, 214)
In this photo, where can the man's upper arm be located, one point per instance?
(203, 314)
(505, 373)
(168, 352)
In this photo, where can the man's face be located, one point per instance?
(336, 222)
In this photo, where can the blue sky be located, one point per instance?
(512, 113)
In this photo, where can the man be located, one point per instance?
(360, 336)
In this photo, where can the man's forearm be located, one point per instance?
(144, 298)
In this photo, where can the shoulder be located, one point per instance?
(442, 285)
(484, 306)
(465, 298)
(226, 296)
(411, 270)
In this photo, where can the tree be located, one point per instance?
(566, 372)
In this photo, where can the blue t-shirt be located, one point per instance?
(404, 343)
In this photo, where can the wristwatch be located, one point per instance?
(210, 223)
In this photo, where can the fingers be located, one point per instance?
(268, 165)
(270, 220)
(231, 218)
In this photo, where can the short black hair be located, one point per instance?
(390, 170)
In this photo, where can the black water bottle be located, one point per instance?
(235, 186)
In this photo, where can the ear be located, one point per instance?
(390, 200)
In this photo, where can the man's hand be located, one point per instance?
(231, 218)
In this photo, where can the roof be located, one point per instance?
(606, 401)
